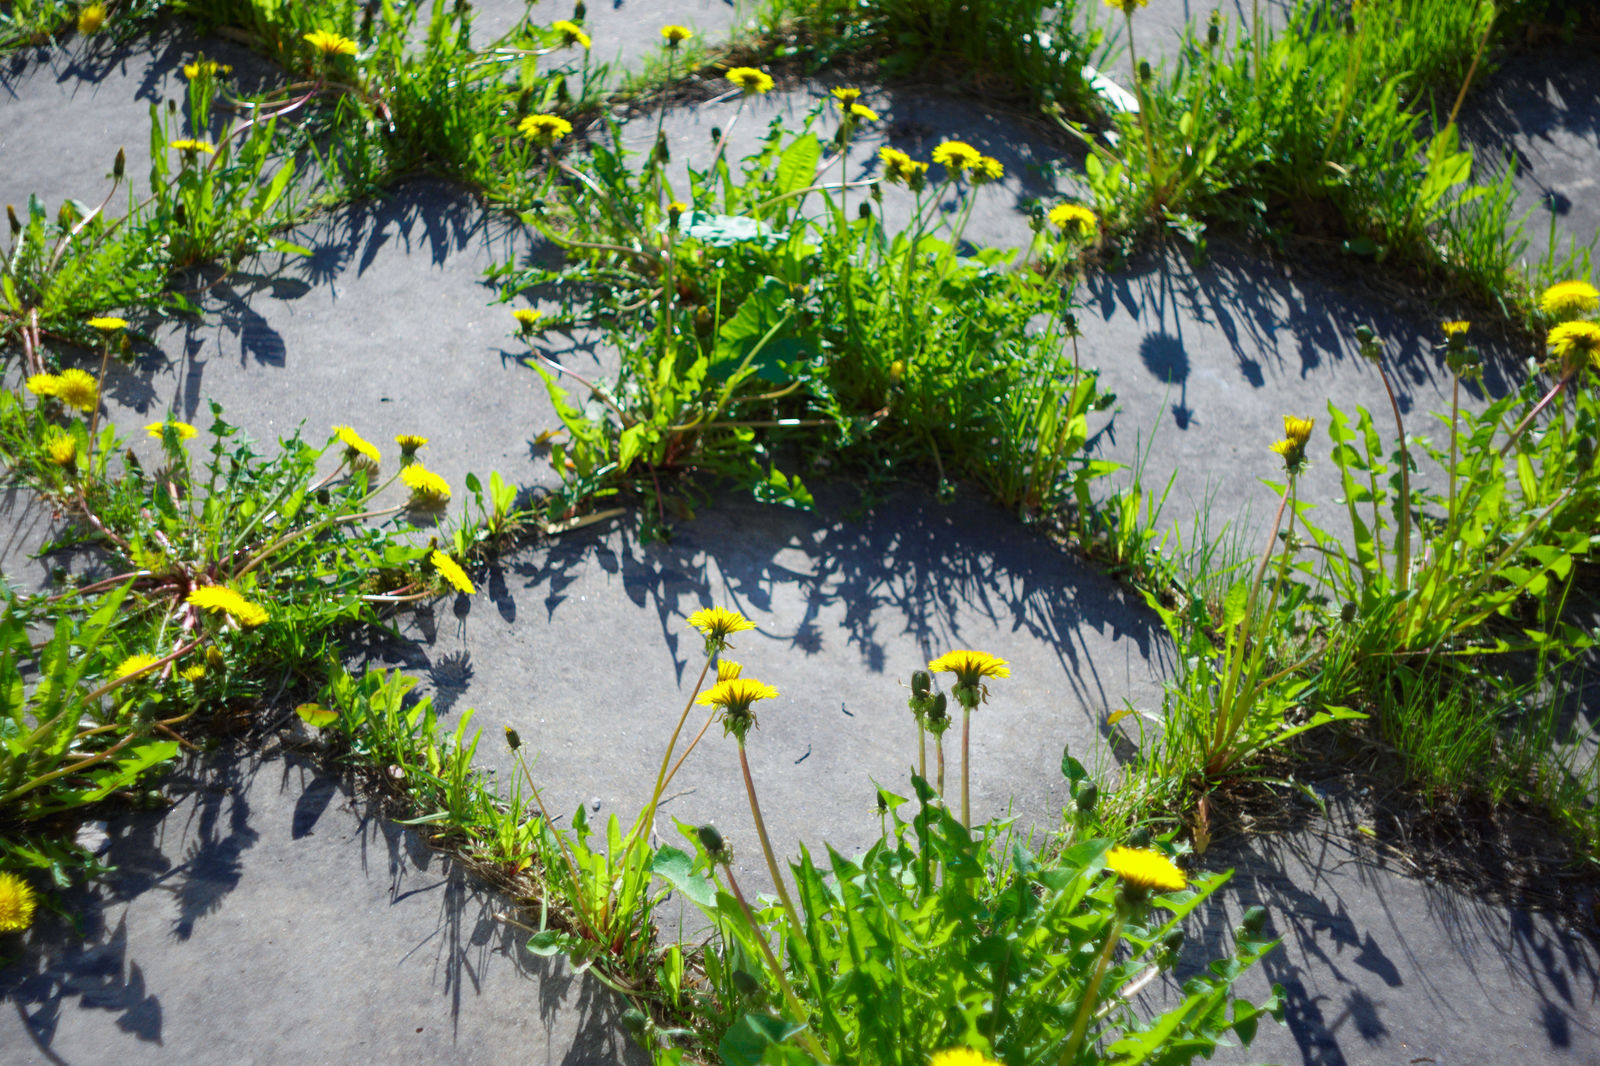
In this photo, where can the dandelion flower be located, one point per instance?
(1298, 429)
(1568, 298)
(900, 168)
(44, 385)
(220, 598)
(571, 33)
(1572, 339)
(862, 113)
(1145, 870)
(189, 144)
(77, 388)
(526, 317)
(544, 129)
(1067, 217)
(205, 68)
(108, 324)
(1127, 7)
(193, 674)
(16, 900)
(727, 670)
(987, 169)
(91, 18)
(675, 35)
(846, 96)
(1455, 329)
(970, 667)
(719, 623)
(451, 571)
(330, 44)
(410, 442)
(357, 448)
(960, 1056)
(751, 80)
(734, 697)
(135, 664)
(427, 488)
(956, 156)
(184, 430)
(62, 448)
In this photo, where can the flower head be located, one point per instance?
(526, 317)
(861, 113)
(330, 44)
(427, 488)
(544, 129)
(987, 169)
(108, 324)
(357, 449)
(846, 96)
(184, 430)
(727, 670)
(960, 1056)
(1074, 218)
(735, 696)
(901, 169)
(451, 571)
(1455, 329)
(1298, 429)
(220, 598)
(16, 901)
(91, 18)
(571, 33)
(409, 443)
(193, 673)
(1571, 341)
(43, 385)
(189, 144)
(675, 35)
(205, 68)
(135, 664)
(718, 624)
(1144, 869)
(970, 667)
(1568, 298)
(751, 80)
(62, 448)
(1127, 7)
(956, 156)
(1296, 432)
(77, 388)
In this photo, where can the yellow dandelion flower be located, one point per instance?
(78, 388)
(189, 144)
(1127, 7)
(527, 317)
(427, 488)
(205, 68)
(735, 696)
(862, 113)
(970, 667)
(451, 571)
(751, 80)
(43, 385)
(220, 598)
(719, 623)
(1070, 217)
(410, 442)
(987, 169)
(544, 129)
(135, 664)
(846, 96)
(1568, 298)
(571, 33)
(357, 448)
(1145, 870)
(62, 448)
(91, 18)
(675, 35)
(17, 901)
(727, 670)
(1574, 338)
(960, 1056)
(1455, 329)
(330, 44)
(108, 324)
(956, 156)
(184, 430)
(1298, 429)
(193, 673)
(900, 168)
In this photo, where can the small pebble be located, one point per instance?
(594, 804)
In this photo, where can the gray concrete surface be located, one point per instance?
(270, 917)
(625, 33)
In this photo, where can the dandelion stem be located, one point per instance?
(1091, 995)
(766, 844)
(966, 736)
(772, 961)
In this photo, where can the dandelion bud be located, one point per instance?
(712, 841)
(120, 166)
(1254, 920)
(11, 217)
(1173, 941)
(864, 212)
(513, 739)
(716, 134)
(563, 94)
(1214, 29)
(897, 370)
(1347, 613)
(366, 22)
(1139, 837)
(172, 107)
(1087, 796)
(578, 11)
(1367, 342)
(921, 682)
(662, 154)
(1144, 70)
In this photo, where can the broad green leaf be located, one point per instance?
(676, 868)
(317, 716)
(798, 164)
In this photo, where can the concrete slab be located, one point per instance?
(584, 649)
(1380, 967)
(1158, 29)
(268, 917)
(64, 112)
(1540, 112)
(625, 32)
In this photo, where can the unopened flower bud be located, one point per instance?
(513, 739)
(712, 841)
(921, 683)
(1254, 920)
(864, 211)
(1347, 613)
(1173, 941)
(1139, 837)
(663, 155)
(578, 11)
(119, 167)
(1144, 70)
(11, 217)
(716, 134)
(1088, 794)
(1214, 29)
